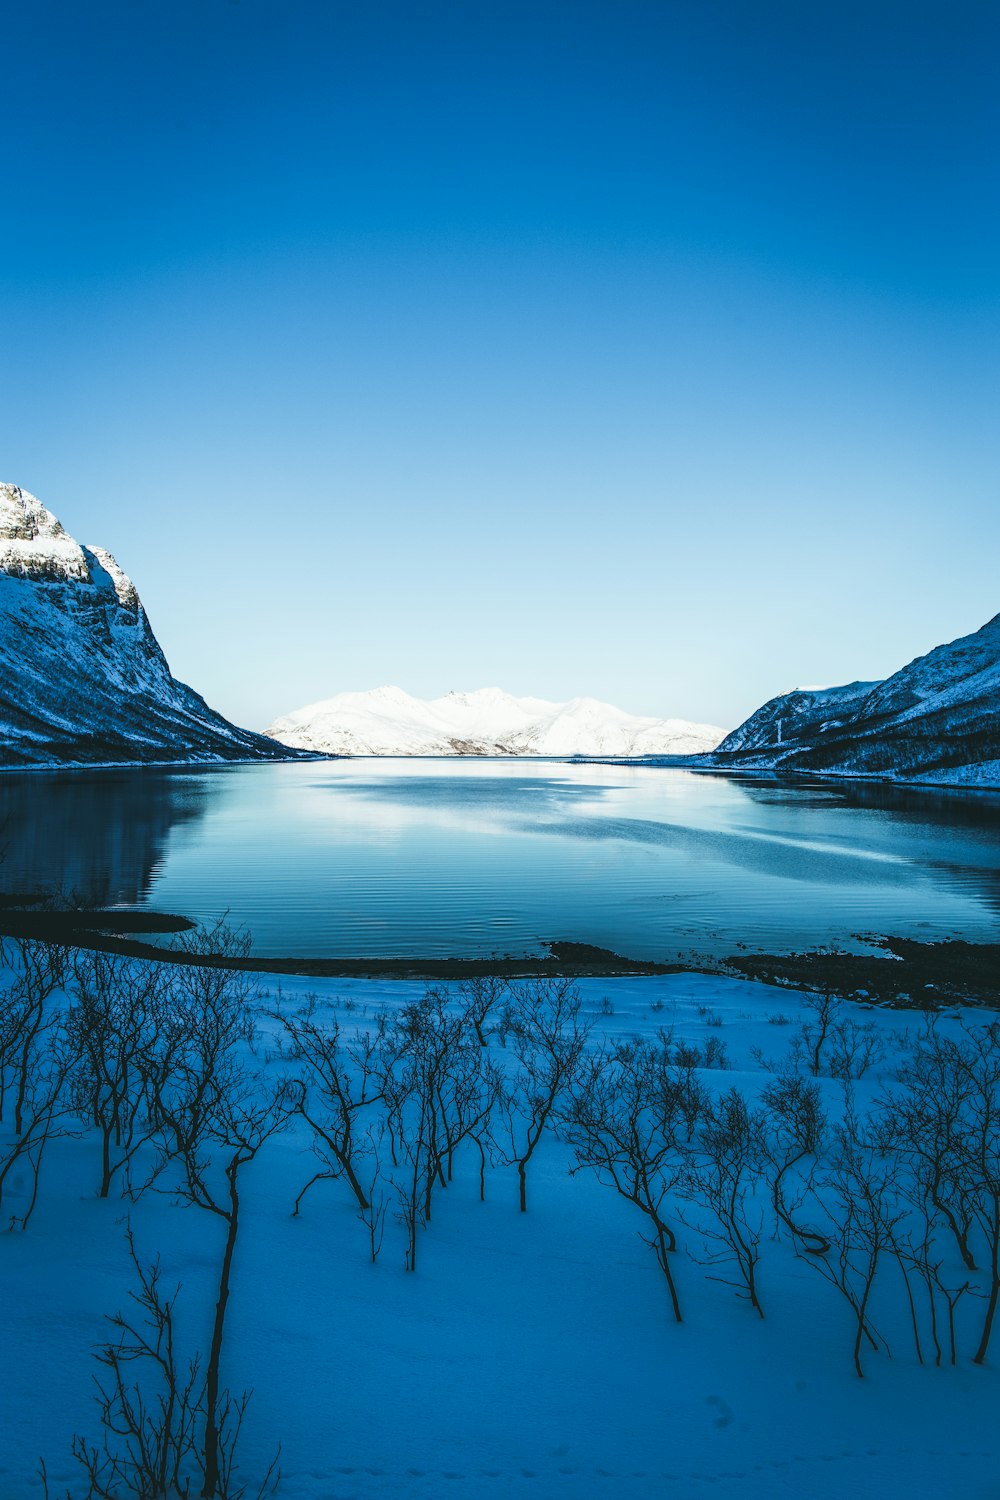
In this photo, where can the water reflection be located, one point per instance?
(460, 858)
(94, 836)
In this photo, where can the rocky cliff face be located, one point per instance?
(82, 676)
(937, 719)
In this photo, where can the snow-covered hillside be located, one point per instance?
(937, 719)
(388, 721)
(82, 677)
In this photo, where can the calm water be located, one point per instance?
(393, 858)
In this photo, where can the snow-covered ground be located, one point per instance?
(389, 721)
(530, 1355)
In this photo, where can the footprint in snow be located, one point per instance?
(725, 1416)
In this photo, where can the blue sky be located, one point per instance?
(641, 350)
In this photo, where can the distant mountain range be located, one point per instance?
(82, 677)
(388, 721)
(84, 681)
(936, 720)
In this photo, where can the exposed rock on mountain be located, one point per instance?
(82, 678)
(938, 719)
(388, 721)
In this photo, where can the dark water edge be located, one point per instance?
(107, 932)
(906, 973)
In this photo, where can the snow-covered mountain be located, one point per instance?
(82, 678)
(388, 721)
(937, 719)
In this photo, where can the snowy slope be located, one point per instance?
(937, 719)
(389, 721)
(794, 718)
(82, 677)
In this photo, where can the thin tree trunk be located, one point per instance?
(215, 1353)
(356, 1187)
(863, 1325)
(107, 1171)
(991, 1311)
(991, 1307)
(663, 1254)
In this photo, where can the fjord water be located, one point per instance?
(442, 858)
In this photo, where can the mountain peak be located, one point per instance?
(485, 721)
(82, 676)
(23, 518)
(33, 544)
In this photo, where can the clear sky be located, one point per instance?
(639, 349)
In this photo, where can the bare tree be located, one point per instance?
(468, 1093)
(792, 1141)
(978, 1059)
(855, 1047)
(44, 1109)
(209, 1021)
(376, 1209)
(945, 1117)
(151, 1409)
(919, 1254)
(410, 1130)
(228, 1130)
(39, 971)
(864, 1217)
(338, 1083)
(482, 996)
(419, 1049)
(722, 1174)
(215, 1115)
(926, 1120)
(548, 1034)
(815, 1034)
(626, 1120)
(121, 1027)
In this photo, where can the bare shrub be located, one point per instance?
(151, 1409)
(863, 1215)
(120, 1027)
(481, 997)
(339, 1082)
(39, 971)
(548, 1036)
(795, 1132)
(721, 1178)
(216, 1113)
(44, 1112)
(627, 1120)
(440, 1089)
(854, 1048)
(816, 1034)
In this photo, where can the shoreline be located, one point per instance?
(36, 768)
(772, 773)
(759, 773)
(634, 762)
(898, 971)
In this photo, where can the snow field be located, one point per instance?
(529, 1355)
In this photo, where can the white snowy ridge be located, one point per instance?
(388, 721)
